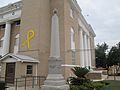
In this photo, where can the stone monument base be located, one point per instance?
(55, 80)
(63, 87)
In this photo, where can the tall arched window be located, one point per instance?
(73, 54)
(72, 39)
(16, 45)
(71, 12)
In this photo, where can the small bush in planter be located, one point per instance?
(80, 76)
(80, 72)
(80, 82)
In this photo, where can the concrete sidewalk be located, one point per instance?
(23, 88)
(112, 78)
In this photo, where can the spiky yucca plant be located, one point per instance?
(80, 72)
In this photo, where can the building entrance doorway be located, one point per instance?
(10, 73)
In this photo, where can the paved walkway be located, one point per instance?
(112, 78)
(23, 88)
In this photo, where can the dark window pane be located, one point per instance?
(17, 22)
(2, 26)
(29, 69)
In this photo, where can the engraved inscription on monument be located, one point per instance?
(54, 66)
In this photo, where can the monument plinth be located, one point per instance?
(55, 80)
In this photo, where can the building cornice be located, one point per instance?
(81, 17)
(75, 5)
(11, 7)
(88, 26)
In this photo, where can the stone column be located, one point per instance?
(55, 80)
(6, 42)
(81, 50)
(86, 50)
(89, 52)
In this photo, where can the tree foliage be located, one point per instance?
(114, 55)
(101, 58)
(111, 58)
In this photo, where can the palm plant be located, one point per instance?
(80, 72)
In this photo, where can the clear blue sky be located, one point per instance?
(103, 15)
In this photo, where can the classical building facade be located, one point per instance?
(25, 37)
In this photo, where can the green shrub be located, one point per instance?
(88, 86)
(78, 81)
(99, 85)
(2, 85)
(81, 82)
(80, 72)
(76, 87)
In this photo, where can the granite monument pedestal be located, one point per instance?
(55, 80)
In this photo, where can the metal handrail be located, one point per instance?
(25, 80)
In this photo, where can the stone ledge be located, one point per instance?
(47, 87)
(55, 83)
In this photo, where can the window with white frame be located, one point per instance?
(72, 39)
(73, 57)
(71, 12)
(17, 40)
(29, 69)
(16, 45)
(2, 27)
(17, 23)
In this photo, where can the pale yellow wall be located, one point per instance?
(21, 69)
(40, 23)
(36, 15)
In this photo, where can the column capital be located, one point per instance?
(8, 22)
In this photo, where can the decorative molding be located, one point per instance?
(55, 11)
(81, 17)
(11, 7)
(75, 5)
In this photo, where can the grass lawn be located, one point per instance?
(114, 85)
